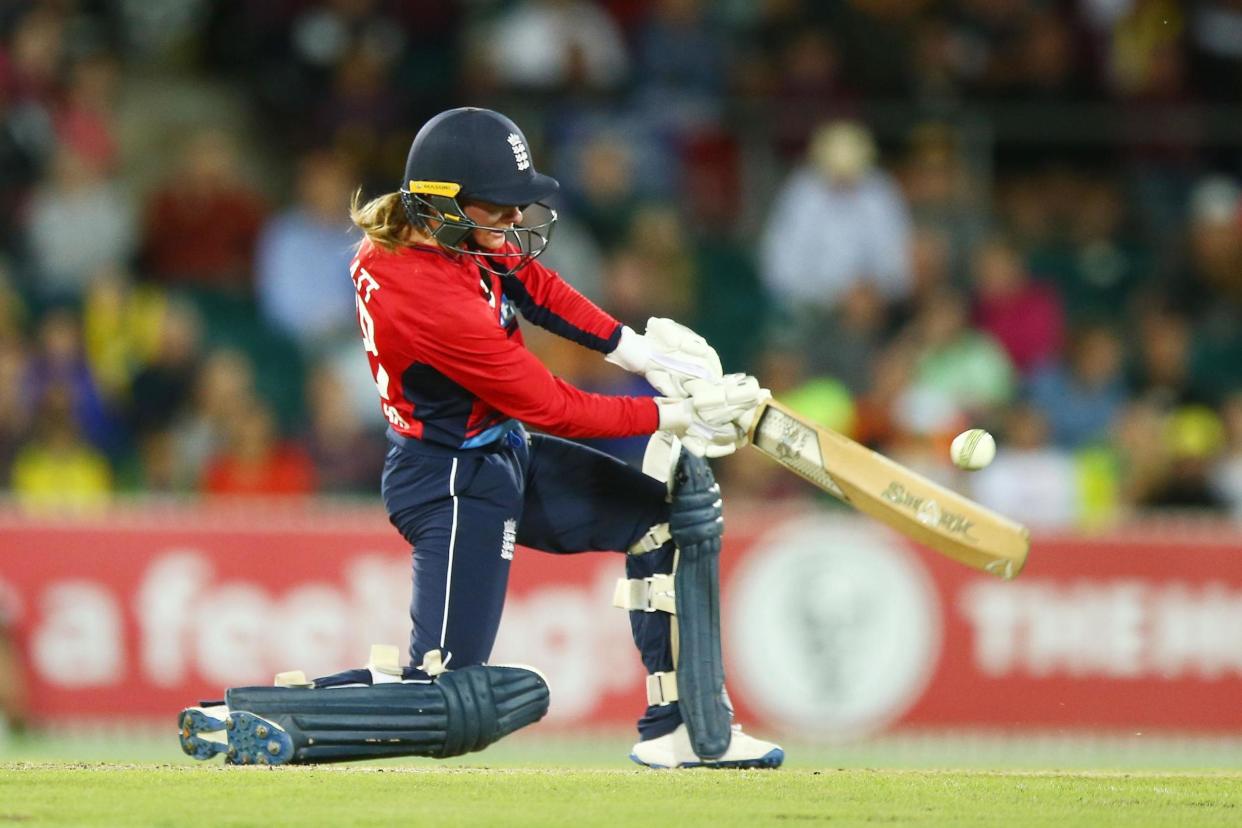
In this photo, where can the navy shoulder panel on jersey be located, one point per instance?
(548, 319)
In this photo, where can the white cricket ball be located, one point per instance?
(972, 449)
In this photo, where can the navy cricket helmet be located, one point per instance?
(472, 154)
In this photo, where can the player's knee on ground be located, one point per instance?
(461, 711)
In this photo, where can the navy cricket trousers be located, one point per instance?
(463, 510)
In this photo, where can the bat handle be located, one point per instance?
(755, 419)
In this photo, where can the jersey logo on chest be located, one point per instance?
(507, 311)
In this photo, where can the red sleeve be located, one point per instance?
(462, 340)
(550, 302)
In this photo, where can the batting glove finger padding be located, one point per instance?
(725, 400)
(701, 438)
(668, 355)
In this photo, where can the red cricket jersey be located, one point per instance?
(448, 358)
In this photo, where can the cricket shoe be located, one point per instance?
(673, 750)
(243, 738)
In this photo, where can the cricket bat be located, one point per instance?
(927, 512)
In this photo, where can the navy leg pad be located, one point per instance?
(696, 524)
(459, 712)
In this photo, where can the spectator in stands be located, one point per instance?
(1025, 212)
(1150, 70)
(958, 370)
(1099, 268)
(1212, 286)
(80, 221)
(1226, 476)
(1131, 35)
(1023, 315)
(1160, 373)
(1195, 439)
(551, 45)
(58, 365)
(729, 294)
(634, 121)
(1048, 59)
(1141, 454)
(1083, 394)
(680, 66)
(1215, 29)
(1208, 285)
(844, 342)
(15, 408)
(868, 27)
(256, 461)
(223, 387)
(327, 33)
(203, 221)
(944, 196)
(1031, 481)
(120, 331)
(34, 55)
(992, 33)
(26, 141)
(837, 221)
(347, 459)
(303, 258)
(602, 188)
(57, 470)
(876, 423)
(931, 268)
(85, 121)
(360, 108)
(936, 62)
(654, 273)
(160, 395)
(809, 89)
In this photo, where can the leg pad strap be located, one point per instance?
(653, 594)
(653, 539)
(662, 688)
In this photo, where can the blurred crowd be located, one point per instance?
(906, 216)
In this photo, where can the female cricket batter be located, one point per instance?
(440, 276)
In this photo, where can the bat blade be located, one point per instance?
(925, 511)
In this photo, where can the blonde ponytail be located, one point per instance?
(382, 219)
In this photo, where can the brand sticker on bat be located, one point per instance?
(927, 511)
(796, 446)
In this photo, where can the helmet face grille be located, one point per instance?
(448, 224)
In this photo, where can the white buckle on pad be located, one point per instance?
(653, 539)
(654, 594)
(662, 688)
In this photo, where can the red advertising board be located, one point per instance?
(833, 626)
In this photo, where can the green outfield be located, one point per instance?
(182, 795)
(100, 777)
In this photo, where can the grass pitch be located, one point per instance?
(120, 777)
(183, 795)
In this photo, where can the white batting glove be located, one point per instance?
(668, 355)
(708, 420)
